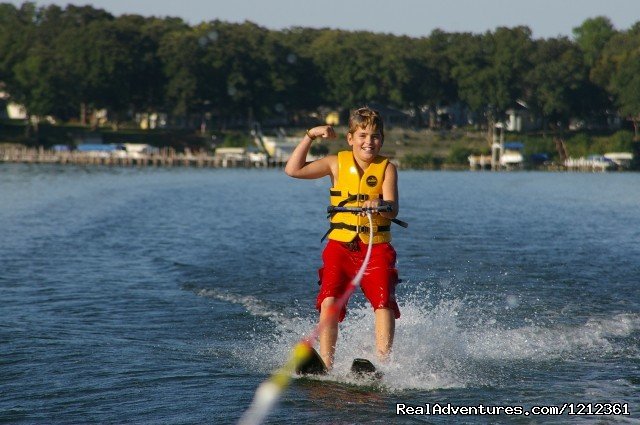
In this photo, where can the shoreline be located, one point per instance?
(169, 158)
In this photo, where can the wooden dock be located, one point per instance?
(165, 157)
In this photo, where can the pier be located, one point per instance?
(164, 157)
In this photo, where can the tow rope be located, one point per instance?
(269, 391)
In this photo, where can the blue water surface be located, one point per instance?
(169, 295)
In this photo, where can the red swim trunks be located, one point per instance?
(340, 266)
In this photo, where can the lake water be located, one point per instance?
(169, 295)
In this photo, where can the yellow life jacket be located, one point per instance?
(351, 190)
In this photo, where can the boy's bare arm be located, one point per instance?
(297, 165)
(390, 191)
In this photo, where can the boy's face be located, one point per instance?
(366, 143)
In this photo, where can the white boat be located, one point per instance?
(511, 156)
(592, 162)
(280, 148)
(622, 159)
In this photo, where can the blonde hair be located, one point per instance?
(365, 117)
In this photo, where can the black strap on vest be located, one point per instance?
(325, 235)
(357, 229)
(400, 223)
(351, 198)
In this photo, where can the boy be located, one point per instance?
(360, 177)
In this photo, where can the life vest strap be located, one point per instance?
(357, 229)
(400, 222)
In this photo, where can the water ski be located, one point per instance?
(312, 366)
(363, 368)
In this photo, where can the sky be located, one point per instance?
(415, 18)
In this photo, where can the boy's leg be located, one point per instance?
(334, 279)
(329, 333)
(385, 329)
(378, 285)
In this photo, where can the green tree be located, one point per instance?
(470, 69)
(147, 77)
(109, 64)
(592, 36)
(16, 29)
(242, 57)
(114, 63)
(423, 73)
(625, 84)
(305, 88)
(351, 64)
(64, 61)
(510, 60)
(39, 79)
(180, 53)
(42, 75)
(556, 81)
(618, 69)
(489, 69)
(558, 86)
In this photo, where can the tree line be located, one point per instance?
(64, 62)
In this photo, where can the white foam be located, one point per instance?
(253, 305)
(435, 348)
(544, 343)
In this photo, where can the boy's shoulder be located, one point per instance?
(331, 159)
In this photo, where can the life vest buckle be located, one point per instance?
(363, 229)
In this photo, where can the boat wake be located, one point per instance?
(435, 346)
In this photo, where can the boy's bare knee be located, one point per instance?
(328, 302)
